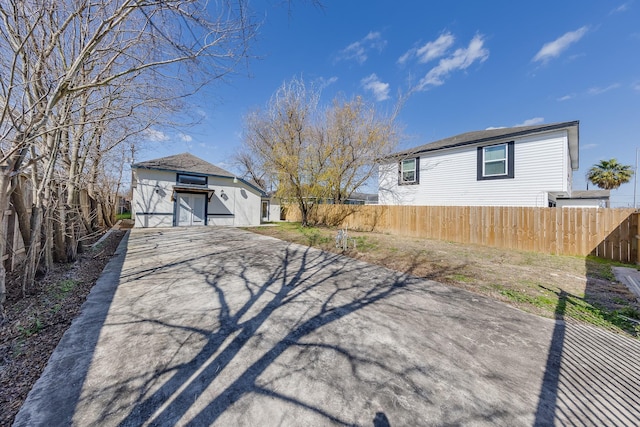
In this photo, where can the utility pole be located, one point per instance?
(635, 181)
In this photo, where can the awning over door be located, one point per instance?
(192, 189)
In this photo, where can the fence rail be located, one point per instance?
(607, 233)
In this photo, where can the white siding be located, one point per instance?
(231, 204)
(581, 203)
(151, 208)
(449, 177)
(274, 210)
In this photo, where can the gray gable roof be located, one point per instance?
(490, 135)
(184, 162)
(187, 162)
(581, 194)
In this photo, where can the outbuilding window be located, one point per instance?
(496, 161)
(409, 170)
(192, 179)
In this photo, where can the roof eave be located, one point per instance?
(571, 126)
(573, 136)
(179, 171)
(248, 184)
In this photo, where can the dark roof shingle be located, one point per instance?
(481, 136)
(184, 162)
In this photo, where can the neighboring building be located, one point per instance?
(520, 166)
(122, 205)
(184, 190)
(362, 199)
(580, 199)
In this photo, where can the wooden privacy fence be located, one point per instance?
(607, 233)
(14, 249)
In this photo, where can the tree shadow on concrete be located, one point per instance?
(286, 285)
(294, 335)
(297, 295)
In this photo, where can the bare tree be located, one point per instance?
(56, 56)
(280, 137)
(358, 136)
(251, 168)
(316, 154)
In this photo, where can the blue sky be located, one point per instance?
(475, 65)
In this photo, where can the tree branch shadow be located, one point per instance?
(300, 276)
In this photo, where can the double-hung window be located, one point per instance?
(409, 171)
(496, 161)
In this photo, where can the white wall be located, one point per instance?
(150, 208)
(274, 210)
(232, 204)
(580, 203)
(449, 177)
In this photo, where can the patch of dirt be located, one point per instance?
(531, 281)
(35, 324)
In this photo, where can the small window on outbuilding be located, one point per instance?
(192, 179)
(496, 161)
(409, 171)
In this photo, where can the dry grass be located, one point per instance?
(531, 281)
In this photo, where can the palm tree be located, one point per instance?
(609, 174)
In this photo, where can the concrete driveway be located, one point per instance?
(200, 326)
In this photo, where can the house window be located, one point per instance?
(409, 171)
(496, 161)
(192, 179)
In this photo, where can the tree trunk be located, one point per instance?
(17, 200)
(4, 204)
(33, 256)
(59, 226)
(304, 213)
(47, 257)
(71, 236)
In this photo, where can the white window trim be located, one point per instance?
(414, 170)
(505, 159)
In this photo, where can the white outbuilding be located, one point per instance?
(184, 190)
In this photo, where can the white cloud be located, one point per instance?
(380, 90)
(566, 97)
(555, 48)
(405, 57)
(636, 86)
(155, 135)
(430, 51)
(622, 8)
(323, 83)
(588, 146)
(599, 90)
(531, 122)
(495, 127)
(461, 59)
(358, 50)
(435, 49)
(184, 137)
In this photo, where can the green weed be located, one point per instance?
(365, 244)
(461, 278)
(602, 268)
(124, 215)
(575, 308)
(64, 288)
(31, 329)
